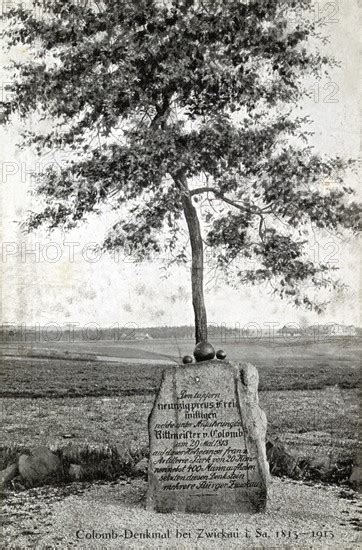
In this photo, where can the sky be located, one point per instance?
(58, 279)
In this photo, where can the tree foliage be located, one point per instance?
(155, 100)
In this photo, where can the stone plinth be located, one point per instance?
(207, 441)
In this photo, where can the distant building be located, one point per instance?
(333, 329)
(143, 336)
(289, 331)
(329, 329)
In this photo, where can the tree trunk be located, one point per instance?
(197, 268)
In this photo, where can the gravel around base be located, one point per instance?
(113, 516)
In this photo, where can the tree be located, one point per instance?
(184, 108)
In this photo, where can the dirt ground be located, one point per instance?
(113, 516)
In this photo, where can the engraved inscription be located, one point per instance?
(207, 441)
(204, 447)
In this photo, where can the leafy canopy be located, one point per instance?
(146, 94)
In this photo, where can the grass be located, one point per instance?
(311, 422)
(281, 351)
(97, 461)
(309, 394)
(64, 378)
(283, 363)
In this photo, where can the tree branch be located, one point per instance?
(162, 111)
(262, 222)
(222, 197)
(200, 190)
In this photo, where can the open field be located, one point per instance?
(315, 422)
(309, 393)
(40, 377)
(281, 351)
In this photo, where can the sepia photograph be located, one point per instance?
(181, 331)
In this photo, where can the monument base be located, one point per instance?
(207, 441)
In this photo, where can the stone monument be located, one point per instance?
(207, 441)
